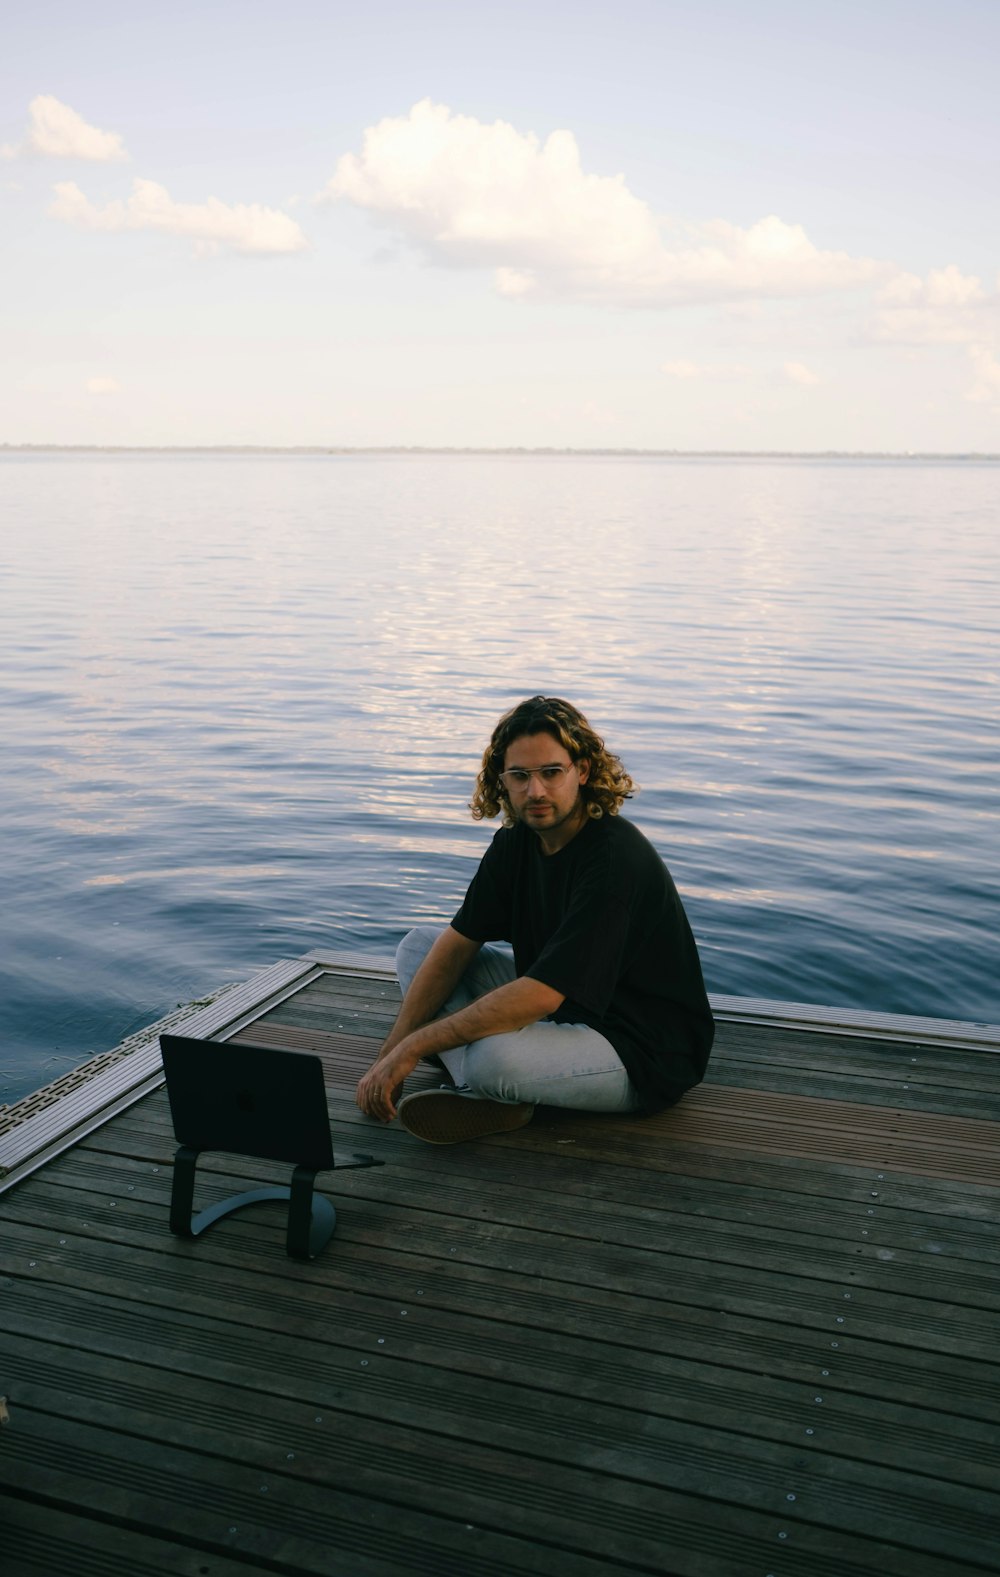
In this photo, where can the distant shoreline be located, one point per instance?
(541, 451)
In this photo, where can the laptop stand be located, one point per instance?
(253, 1101)
(311, 1218)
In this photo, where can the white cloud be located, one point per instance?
(243, 227)
(943, 287)
(57, 132)
(475, 195)
(986, 370)
(103, 386)
(946, 308)
(797, 372)
(714, 371)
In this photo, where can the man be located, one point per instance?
(603, 1006)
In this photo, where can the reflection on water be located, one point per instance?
(245, 699)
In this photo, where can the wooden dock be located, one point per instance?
(757, 1334)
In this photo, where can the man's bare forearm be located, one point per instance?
(432, 985)
(501, 1012)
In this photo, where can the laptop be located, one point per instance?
(248, 1100)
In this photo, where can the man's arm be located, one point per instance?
(510, 1007)
(432, 985)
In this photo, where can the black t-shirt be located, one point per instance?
(601, 922)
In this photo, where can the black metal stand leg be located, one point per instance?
(300, 1201)
(182, 1192)
(311, 1219)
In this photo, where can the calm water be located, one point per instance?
(245, 697)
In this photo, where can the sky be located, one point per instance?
(658, 224)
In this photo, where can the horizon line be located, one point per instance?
(505, 449)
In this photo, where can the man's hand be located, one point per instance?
(379, 1090)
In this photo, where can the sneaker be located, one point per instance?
(447, 1116)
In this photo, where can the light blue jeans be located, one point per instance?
(549, 1064)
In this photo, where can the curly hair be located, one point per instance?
(607, 785)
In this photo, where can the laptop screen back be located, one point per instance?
(248, 1100)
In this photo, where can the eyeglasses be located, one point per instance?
(516, 780)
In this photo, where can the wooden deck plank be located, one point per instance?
(928, 1212)
(923, 1098)
(625, 1343)
(858, 1071)
(648, 1446)
(302, 1527)
(809, 1300)
(344, 1021)
(617, 1452)
(590, 1512)
(909, 1233)
(912, 1219)
(38, 1540)
(668, 1242)
(916, 1358)
(663, 1360)
(797, 1048)
(793, 1332)
(774, 1204)
(282, 1518)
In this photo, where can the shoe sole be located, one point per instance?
(442, 1118)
